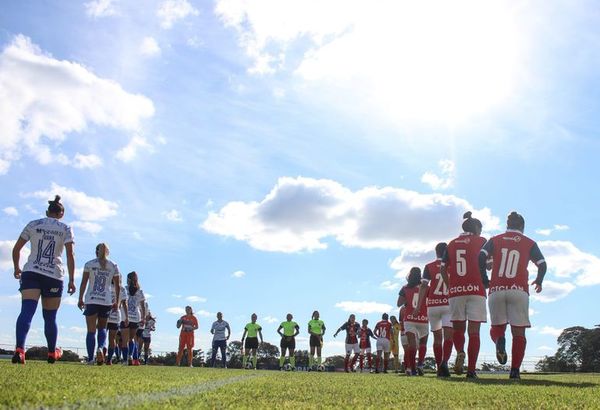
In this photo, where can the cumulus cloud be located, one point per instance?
(171, 11)
(175, 310)
(299, 214)
(549, 231)
(238, 274)
(173, 215)
(550, 330)
(204, 313)
(270, 319)
(565, 260)
(553, 291)
(130, 151)
(90, 161)
(389, 285)
(445, 181)
(149, 47)
(51, 98)
(90, 227)
(6, 255)
(11, 211)
(364, 307)
(100, 8)
(195, 299)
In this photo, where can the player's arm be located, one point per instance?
(117, 284)
(195, 323)
(484, 255)
(279, 330)
(244, 334)
(444, 268)
(310, 331)
(537, 258)
(323, 332)
(70, 248)
(126, 310)
(423, 288)
(84, 281)
(228, 331)
(342, 327)
(260, 334)
(16, 256)
(297, 331)
(179, 322)
(401, 298)
(143, 310)
(377, 331)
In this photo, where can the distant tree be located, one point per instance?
(301, 358)
(336, 362)
(234, 354)
(578, 351)
(267, 356)
(429, 364)
(570, 347)
(493, 367)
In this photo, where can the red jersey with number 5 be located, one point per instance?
(462, 260)
(411, 295)
(437, 295)
(512, 252)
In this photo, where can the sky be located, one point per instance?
(278, 156)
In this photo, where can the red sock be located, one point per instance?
(361, 361)
(518, 351)
(369, 359)
(447, 349)
(459, 340)
(422, 353)
(437, 352)
(346, 360)
(473, 351)
(497, 331)
(354, 359)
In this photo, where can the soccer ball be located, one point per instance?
(320, 368)
(287, 367)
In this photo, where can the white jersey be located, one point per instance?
(134, 306)
(149, 327)
(48, 237)
(100, 286)
(116, 316)
(219, 330)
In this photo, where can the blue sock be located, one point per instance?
(146, 356)
(28, 307)
(117, 352)
(111, 351)
(50, 328)
(90, 342)
(101, 338)
(125, 353)
(136, 352)
(131, 348)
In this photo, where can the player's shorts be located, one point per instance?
(251, 343)
(287, 342)
(509, 306)
(468, 307)
(49, 287)
(418, 329)
(316, 341)
(383, 343)
(112, 326)
(132, 326)
(146, 339)
(103, 311)
(403, 339)
(352, 347)
(364, 350)
(139, 332)
(439, 317)
(186, 339)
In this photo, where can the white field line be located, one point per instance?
(120, 402)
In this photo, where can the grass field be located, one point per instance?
(66, 385)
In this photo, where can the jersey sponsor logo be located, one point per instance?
(500, 288)
(512, 238)
(54, 290)
(431, 302)
(466, 240)
(418, 318)
(464, 289)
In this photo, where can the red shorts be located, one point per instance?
(186, 339)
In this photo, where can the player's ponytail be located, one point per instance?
(55, 207)
(132, 283)
(515, 221)
(470, 224)
(414, 277)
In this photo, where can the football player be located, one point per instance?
(288, 331)
(352, 328)
(250, 344)
(395, 342)
(136, 314)
(383, 330)
(316, 330)
(114, 319)
(188, 324)
(364, 343)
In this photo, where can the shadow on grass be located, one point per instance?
(522, 382)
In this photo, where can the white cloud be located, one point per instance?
(550, 330)
(51, 98)
(546, 349)
(173, 215)
(567, 261)
(445, 181)
(149, 47)
(130, 151)
(300, 213)
(100, 8)
(6, 255)
(86, 161)
(238, 274)
(195, 299)
(412, 257)
(364, 307)
(204, 313)
(177, 296)
(70, 300)
(553, 291)
(389, 285)
(85, 207)
(549, 231)
(78, 329)
(90, 227)
(532, 312)
(176, 310)
(11, 210)
(270, 319)
(170, 11)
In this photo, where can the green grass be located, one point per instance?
(77, 386)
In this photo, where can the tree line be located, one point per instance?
(578, 351)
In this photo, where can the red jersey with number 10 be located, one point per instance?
(437, 295)
(462, 261)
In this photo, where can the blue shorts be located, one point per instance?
(102, 311)
(222, 344)
(49, 287)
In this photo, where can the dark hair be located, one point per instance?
(132, 282)
(55, 207)
(385, 316)
(440, 248)
(471, 224)
(317, 312)
(515, 221)
(414, 277)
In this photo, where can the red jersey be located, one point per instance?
(462, 260)
(437, 294)
(512, 252)
(411, 295)
(365, 335)
(383, 328)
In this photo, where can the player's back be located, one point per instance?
(462, 260)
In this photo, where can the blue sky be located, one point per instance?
(286, 156)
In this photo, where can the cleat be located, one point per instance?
(515, 374)
(136, 362)
(19, 356)
(408, 373)
(501, 350)
(459, 363)
(444, 369)
(53, 357)
(413, 373)
(281, 368)
(99, 357)
(385, 371)
(346, 370)
(420, 370)
(130, 362)
(472, 375)
(90, 363)
(109, 363)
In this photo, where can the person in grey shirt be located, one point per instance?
(219, 339)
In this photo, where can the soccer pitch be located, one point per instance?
(67, 385)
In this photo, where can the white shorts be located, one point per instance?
(352, 347)
(509, 306)
(403, 339)
(439, 317)
(365, 350)
(468, 307)
(383, 343)
(418, 329)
